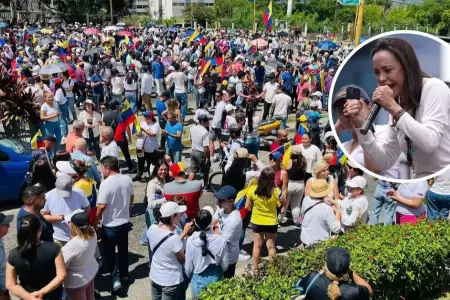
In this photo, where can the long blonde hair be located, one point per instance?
(86, 233)
(334, 292)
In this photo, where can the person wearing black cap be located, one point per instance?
(227, 221)
(200, 154)
(80, 257)
(336, 280)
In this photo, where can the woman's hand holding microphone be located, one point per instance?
(384, 97)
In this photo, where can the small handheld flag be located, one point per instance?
(37, 141)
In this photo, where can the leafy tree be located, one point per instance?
(199, 12)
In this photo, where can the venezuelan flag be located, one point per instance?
(268, 17)
(136, 126)
(302, 129)
(193, 37)
(126, 118)
(37, 141)
(339, 158)
(207, 62)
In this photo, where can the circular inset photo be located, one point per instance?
(390, 106)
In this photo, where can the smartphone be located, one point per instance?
(90, 121)
(353, 93)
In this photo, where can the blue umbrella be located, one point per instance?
(361, 40)
(3, 24)
(173, 29)
(183, 35)
(327, 45)
(32, 30)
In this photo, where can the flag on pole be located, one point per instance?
(126, 118)
(339, 158)
(268, 17)
(37, 141)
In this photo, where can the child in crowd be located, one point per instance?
(354, 206)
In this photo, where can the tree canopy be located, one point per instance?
(434, 14)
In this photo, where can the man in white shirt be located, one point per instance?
(200, 155)
(109, 147)
(270, 89)
(115, 200)
(180, 80)
(61, 202)
(280, 106)
(147, 144)
(146, 88)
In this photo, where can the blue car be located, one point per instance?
(15, 159)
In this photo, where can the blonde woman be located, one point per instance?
(50, 114)
(80, 258)
(320, 171)
(173, 105)
(336, 280)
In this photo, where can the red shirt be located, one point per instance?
(191, 190)
(71, 139)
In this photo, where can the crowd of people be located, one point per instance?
(77, 206)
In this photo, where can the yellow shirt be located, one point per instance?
(87, 187)
(264, 211)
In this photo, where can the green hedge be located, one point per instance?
(398, 261)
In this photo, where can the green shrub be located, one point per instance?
(398, 261)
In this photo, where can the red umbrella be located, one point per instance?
(91, 30)
(125, 33)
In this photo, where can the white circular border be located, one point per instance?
(330, 100)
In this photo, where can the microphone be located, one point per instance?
(372, 115)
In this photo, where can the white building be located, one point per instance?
(140, 6)
(166, 9)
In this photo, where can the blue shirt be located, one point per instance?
(287, 81)
(160, 108)
(47, 228)
(173, 143)
(158, 70)
(99, 88)
(260, 72)
(92, 172)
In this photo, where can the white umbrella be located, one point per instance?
(111, 28)
(121, 24)
(50, 69)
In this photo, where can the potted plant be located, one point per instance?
(17, 106)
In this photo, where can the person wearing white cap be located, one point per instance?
(354, 207)
(317, 96)
(227, 121)
(60, 203)
(166, 271)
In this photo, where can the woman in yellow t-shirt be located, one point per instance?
(87, 186)
(263, 200)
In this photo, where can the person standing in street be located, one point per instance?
(146, 88)
(173, 132)
(115, 200)
(158, 73)
(179, 79)
(4, 228)
(200, 154)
